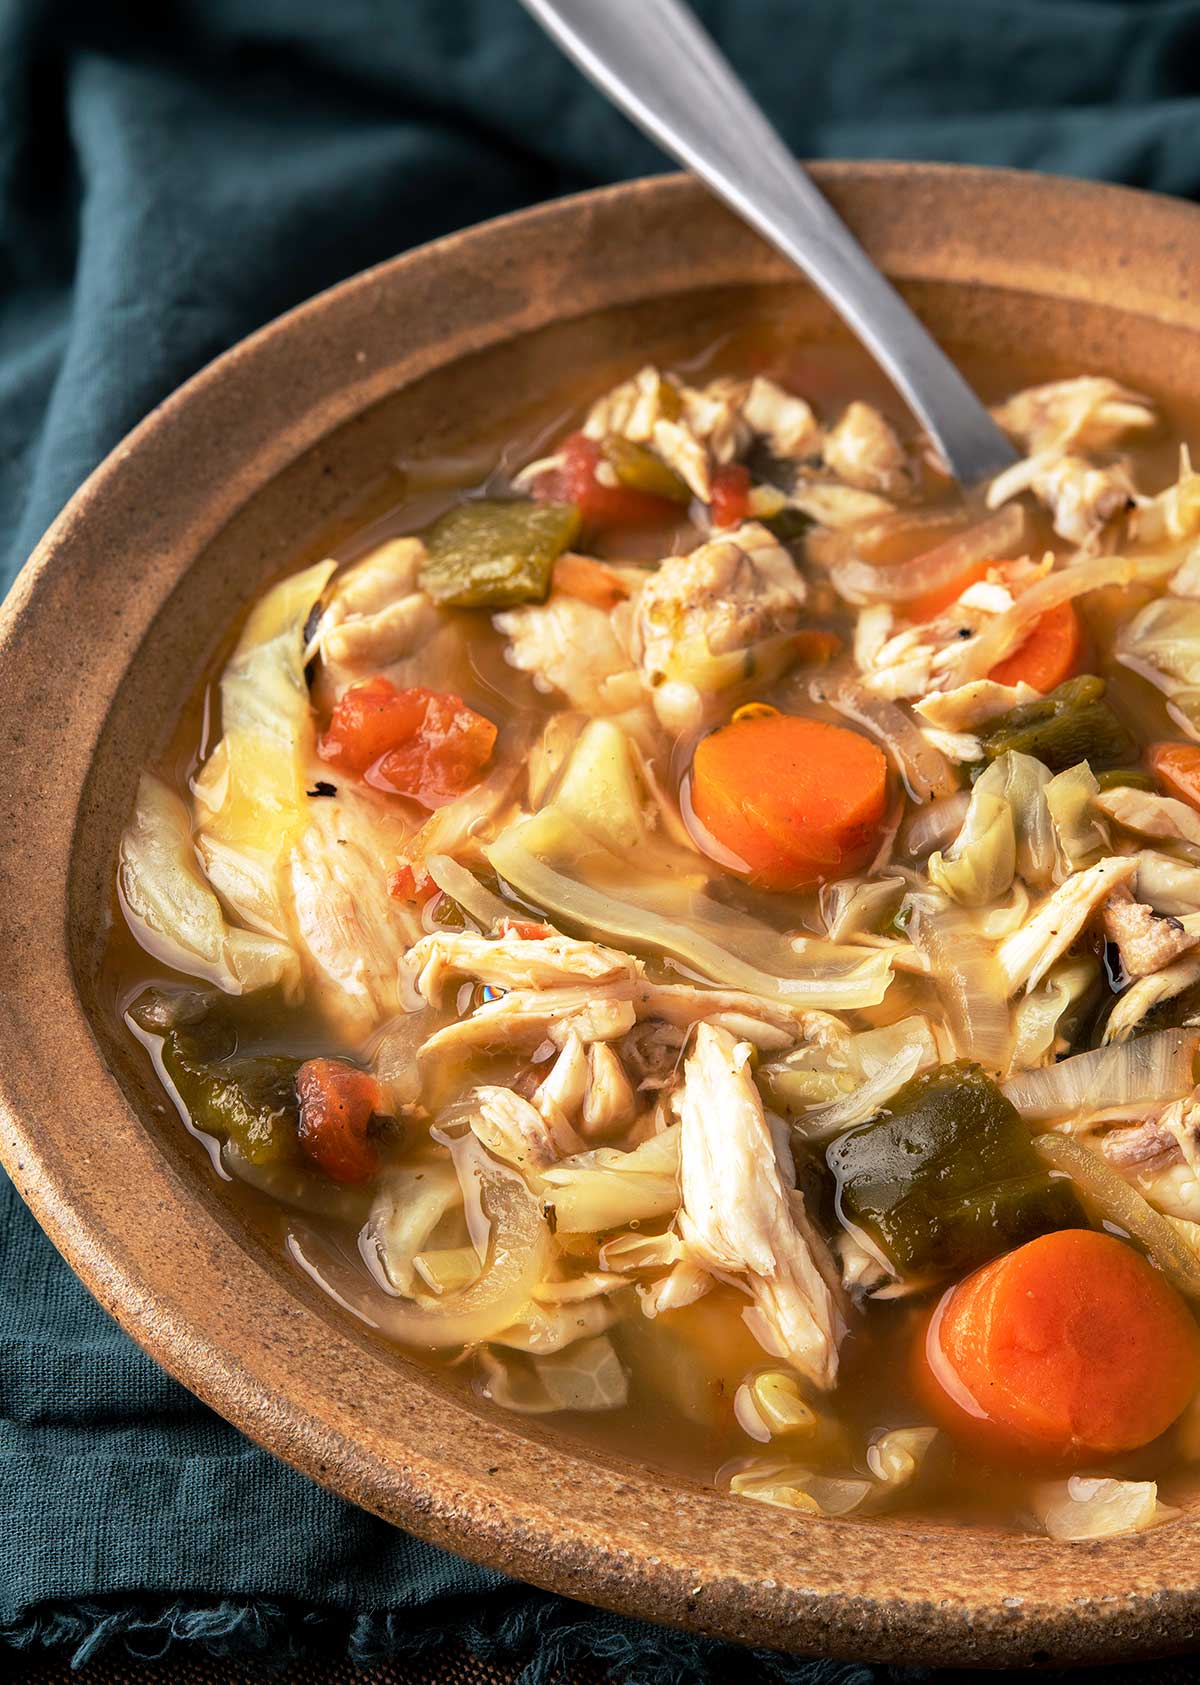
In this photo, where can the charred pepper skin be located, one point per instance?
(945, 1178)
(494, 553)
(1072, 724)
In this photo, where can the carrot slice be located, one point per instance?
(931, 603)
(1177, 768)
(337, 1104)
(1069, 1348)
(1048, 655)
(792, 800)
(600, 505)
(589, 580)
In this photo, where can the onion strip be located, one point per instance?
(1001, 535)
(1154, 1067)
(1114, 1201)
(518, 1258)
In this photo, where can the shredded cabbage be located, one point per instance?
(968, 980)
(1092, 1507)
(978, 866)
(609, 1189)
(1042, 1018)
(1082, 835)
(250, 801)
(853, 906)
(819, 1123)
(1162, 644)
(174, 913)
(517, 1247)
(546, 857)
(466, 891)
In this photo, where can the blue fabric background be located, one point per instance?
(171, 176)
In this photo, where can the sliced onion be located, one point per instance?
(1153, 1067)
(934, 825)
(518, 1257)
(1111, 1199)
(1002, 534)
(926, 772)
(541, 857)
(466, 891)
(587, 1376)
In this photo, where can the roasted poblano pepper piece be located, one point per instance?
(638, 469)
(494, 553)
(247, 1098)
(946, 1177)
(1072, 724)
(1126, 777)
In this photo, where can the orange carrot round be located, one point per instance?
(1177, 768)
(1048, 655)
(1070, 1348)
(793, 800)
(932, 602)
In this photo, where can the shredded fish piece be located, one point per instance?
(972, 704)
(515, 1130)
(786, 423)
(1150, 815)
(863, 451)
(735, 592)
(376, 613)
(511, 962)
(1027, 955)
(741, 1212)
(571, 647)
(1146, 941)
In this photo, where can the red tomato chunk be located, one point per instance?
(599, 505)
(337, 1104)
(423, 744)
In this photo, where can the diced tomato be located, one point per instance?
(337, 1104)
(599, 505)
(406, 885)
(526, 929)
(1048, 655)
(730, 502)
(423, 744)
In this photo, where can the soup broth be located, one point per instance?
(682, 911)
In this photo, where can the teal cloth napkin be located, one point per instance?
(171, 176)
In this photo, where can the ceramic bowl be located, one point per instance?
(106, 634)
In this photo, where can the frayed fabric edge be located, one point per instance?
(541, 1638)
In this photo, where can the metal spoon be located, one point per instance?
(654, 61)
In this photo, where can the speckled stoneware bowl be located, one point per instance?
(111, 624)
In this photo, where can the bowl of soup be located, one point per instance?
(607, 962)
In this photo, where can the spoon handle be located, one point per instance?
(654, 61)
